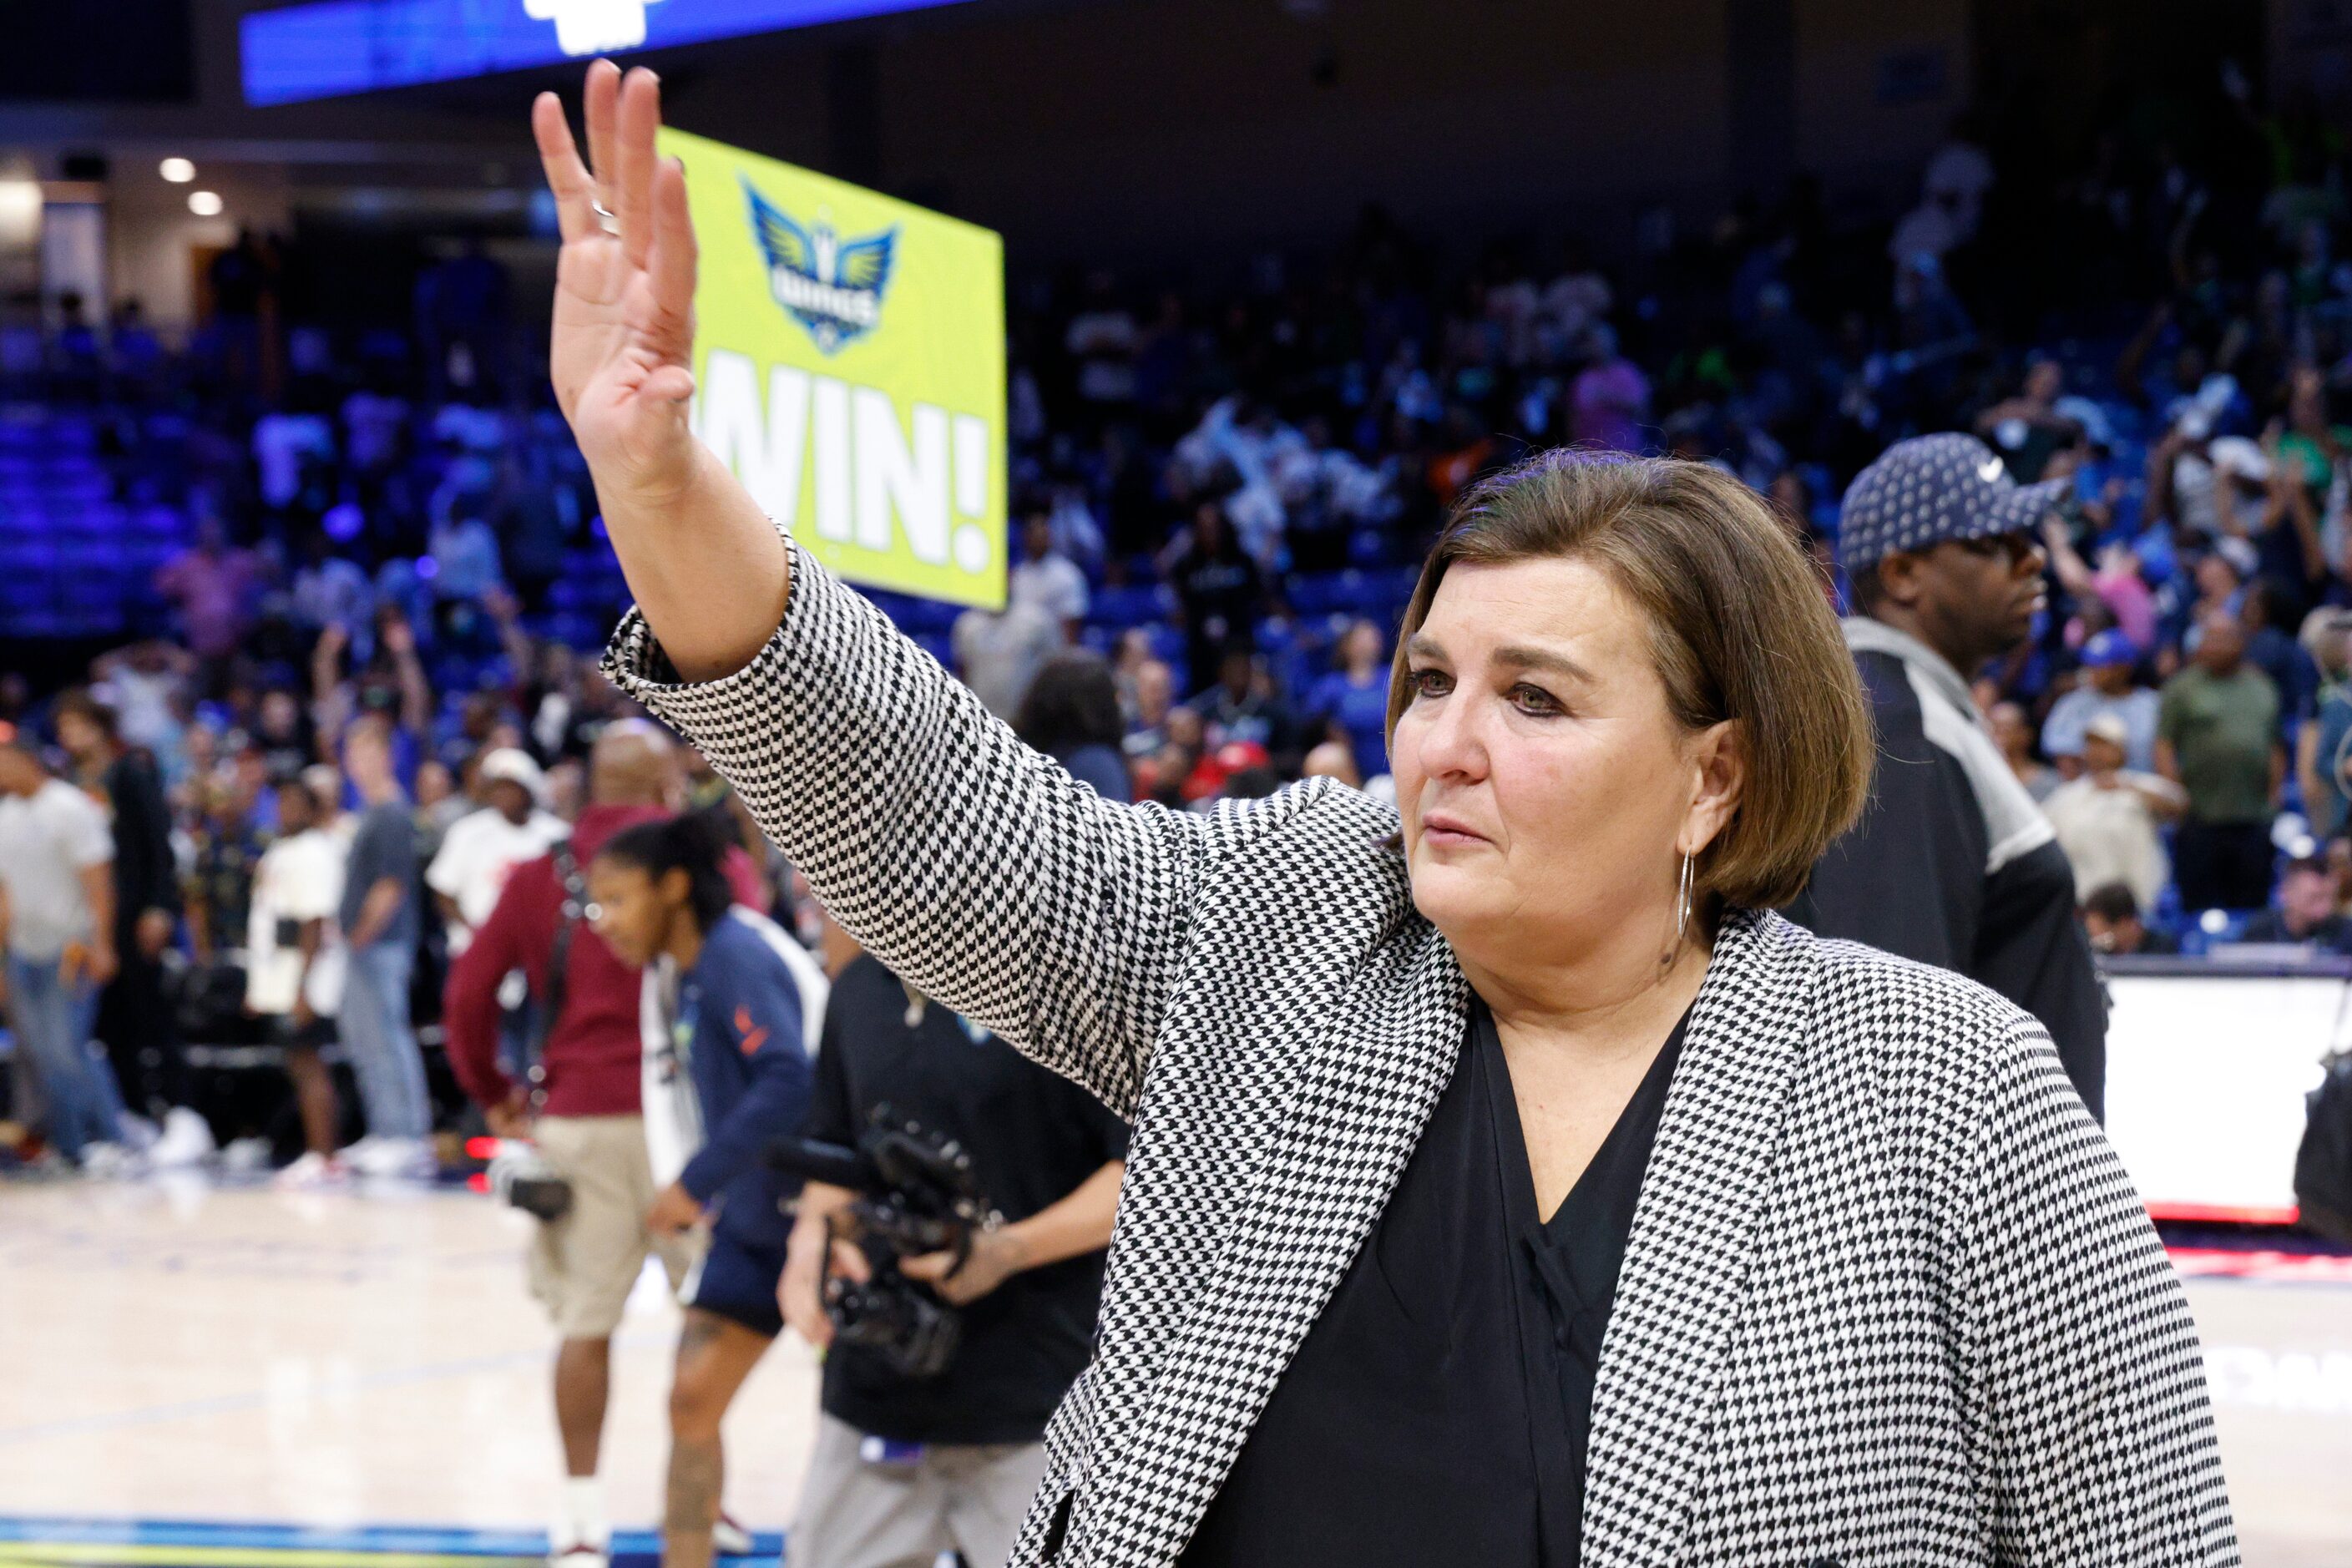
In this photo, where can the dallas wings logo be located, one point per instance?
(832, 286)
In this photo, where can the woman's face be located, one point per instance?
(1547, 794)
(633, 910)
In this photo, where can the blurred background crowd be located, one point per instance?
(351, 550)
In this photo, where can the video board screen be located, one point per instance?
(333, 48)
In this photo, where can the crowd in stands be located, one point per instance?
(365, 558)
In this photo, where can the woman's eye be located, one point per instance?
(1429, 682)
(1534, 700)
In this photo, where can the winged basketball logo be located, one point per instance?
(830, 286)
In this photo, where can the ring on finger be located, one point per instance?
(604, 218)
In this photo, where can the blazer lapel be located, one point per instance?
(1376, 1073)
(1688, 1259)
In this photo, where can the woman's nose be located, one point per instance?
(1453, 744)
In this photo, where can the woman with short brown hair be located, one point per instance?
(1508, 1186)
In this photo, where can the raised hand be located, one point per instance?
(705, 565)
(620, 352)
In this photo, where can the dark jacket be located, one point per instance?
(146, 876)
(745, 1019)
(1952, 863)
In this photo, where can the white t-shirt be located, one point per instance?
(2110, 836)
(47, 841)
(1053, 584)
(480, 850)
(1001, 652)
(299, 878)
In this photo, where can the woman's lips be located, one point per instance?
(1446, 832)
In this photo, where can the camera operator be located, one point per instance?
(730, 1009)
(907, 1467)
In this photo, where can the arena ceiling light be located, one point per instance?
(178, 171)
(205, 203)
(328, 48)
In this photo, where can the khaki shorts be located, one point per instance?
(584, 1266)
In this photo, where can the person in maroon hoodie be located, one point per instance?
(585, 1112)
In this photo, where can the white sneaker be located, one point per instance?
(312, 1171)
(110, 1162)
(404, 1157)
(579, 1554)
(729, 1539)
(246, 1155)
(138, 1132)
(187, 1140)
(352, 1154)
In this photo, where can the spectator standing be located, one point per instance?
(2110, 689)
(2321, 751)
(1350, 704)
(1219, 588)
(999, 652)
(2014, 736)
(2305, 914)
(2109, 817)
(1952, 863)
(295, 969)
(134, 1017)
(1610, 400)
(381, 925)
(329, 590)
(211, 583)
(2277, 653)
(1071, 714)
(584, 1109)
(1245, 707)
(224, 850)
(731, 1007)
(56, 927)
(2218, 738)
(2028, 428)
(482, 848)
(1155, 695)
(1047, 579)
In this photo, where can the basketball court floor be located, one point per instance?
(204, 1375)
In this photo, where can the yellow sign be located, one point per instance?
(850, 369)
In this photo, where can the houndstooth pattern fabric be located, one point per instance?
(1888, 1298)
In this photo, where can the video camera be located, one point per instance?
(917, 1193)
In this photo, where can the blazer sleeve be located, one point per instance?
(2094, 1428)
(973, 866)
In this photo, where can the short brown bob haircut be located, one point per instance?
(1740, 627)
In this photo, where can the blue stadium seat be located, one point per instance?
(1133, 605)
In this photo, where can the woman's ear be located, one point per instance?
(1719, 756)
(676, 888)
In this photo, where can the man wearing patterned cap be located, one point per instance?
(1952, 863)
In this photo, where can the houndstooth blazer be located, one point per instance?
(1889, 1298)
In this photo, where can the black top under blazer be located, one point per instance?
(1889, 1297)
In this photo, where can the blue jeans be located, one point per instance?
(381, 1046)
(52, 1022)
